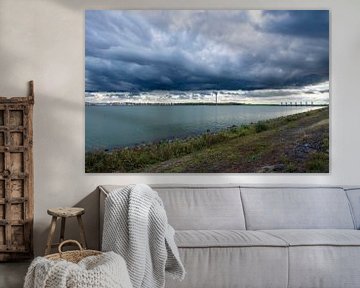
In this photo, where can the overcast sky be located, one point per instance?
(201, 50)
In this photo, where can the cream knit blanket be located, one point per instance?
(136, 227)
(103, 271)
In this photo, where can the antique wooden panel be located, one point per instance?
(16, 177)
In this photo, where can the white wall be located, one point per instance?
(43, 40)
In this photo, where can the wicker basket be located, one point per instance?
(72, 256)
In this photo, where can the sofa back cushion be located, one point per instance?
(203, 208)
(354, 198)
(296, 208)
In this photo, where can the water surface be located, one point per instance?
(110, 127)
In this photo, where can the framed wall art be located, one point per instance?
(207, 91)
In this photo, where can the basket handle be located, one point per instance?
(69, 241)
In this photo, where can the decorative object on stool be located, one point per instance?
(64, 213)
(80, 268)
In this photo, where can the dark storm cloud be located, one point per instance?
(187, 50)
(299, 23)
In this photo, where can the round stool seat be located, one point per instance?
(66, 211)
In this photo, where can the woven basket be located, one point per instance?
(72, 256)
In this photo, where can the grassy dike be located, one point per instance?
(298, 143)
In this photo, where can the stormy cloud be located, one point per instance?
(133, 51)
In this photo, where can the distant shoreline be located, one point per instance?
(205, 104)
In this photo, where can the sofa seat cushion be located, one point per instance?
(225, 267)
(226, 238)
(317, 237)
(323, 258)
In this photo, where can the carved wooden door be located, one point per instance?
(16, 177)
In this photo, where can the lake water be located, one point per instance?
(119, 126)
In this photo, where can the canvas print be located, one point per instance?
(218, 91)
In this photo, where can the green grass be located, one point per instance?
(130, 159)
(319, 162)
(261, 126)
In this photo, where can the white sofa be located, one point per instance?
(264, 237)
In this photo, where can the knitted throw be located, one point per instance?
(136, 227)
(102, 271)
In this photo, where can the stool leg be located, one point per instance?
(62, 230)
(82, 232)
(51, 235)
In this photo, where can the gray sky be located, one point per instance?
(201, 50)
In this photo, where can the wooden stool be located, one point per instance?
(64, 213)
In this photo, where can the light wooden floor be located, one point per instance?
(12, 274)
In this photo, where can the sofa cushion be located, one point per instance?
(315, 237)
(191, 208)
(322, 258)
(354, 198)
(220, 267)
(324, 266)
(226, 238)
(296, 208)
(199, 207)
